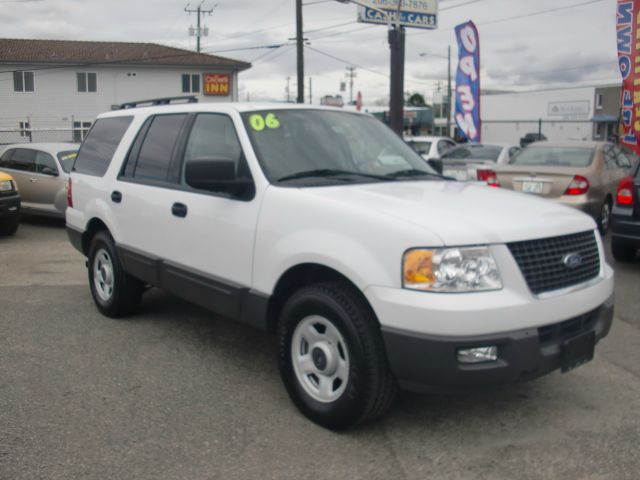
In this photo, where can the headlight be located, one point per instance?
(451, 270)
(6, 186)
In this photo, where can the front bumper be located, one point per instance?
(429, 363)
(9, 206)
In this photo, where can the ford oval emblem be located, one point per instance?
(572, 260)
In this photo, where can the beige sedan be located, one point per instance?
(583, 175)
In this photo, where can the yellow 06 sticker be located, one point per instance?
(258, 122)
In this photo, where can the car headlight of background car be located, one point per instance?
(6, 186)
(450, 270)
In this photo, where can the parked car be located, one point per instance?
(625, 217)
(529, 138)
(41, 171)
(373, 271)
(474, 161)
(9, 205)
(430, 148)
(584, 175)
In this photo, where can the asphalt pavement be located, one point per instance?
(176, 393)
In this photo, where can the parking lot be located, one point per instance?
(173, 393)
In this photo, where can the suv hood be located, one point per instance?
(461, 213)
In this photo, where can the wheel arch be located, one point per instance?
(299, 276)
(94, 226)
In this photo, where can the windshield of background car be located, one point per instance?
(421, 147)
(66, 159)
(555, 156)
(292, 143)
(477, 152)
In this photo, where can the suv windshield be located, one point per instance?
(324, 147)
(555, 156)
(478, 152)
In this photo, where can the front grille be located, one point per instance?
(559, 332)
(542, 261)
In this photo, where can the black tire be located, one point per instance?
(10, 227)
(604, 217)
(370, 388)
(622, 252)
(126, 291)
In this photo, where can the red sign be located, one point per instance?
(217, 84)
(627, 30)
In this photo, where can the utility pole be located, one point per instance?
(198, 32)
(449, 101)
(300, 47)
(396, 103)
(351, 74)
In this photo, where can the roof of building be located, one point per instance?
(92, 53)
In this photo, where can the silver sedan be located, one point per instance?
(473, 162)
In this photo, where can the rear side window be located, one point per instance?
(157, 149)
(101, 143)
(23, 160)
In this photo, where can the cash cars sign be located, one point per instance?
(468, 82)
(216, 84)
(628, 34)
(413, 13)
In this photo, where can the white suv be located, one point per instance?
(325, 227)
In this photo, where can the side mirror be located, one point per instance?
(217, 175)
(49, 171)
(436, 164)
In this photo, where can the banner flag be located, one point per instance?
(468, 82)
(627, 30)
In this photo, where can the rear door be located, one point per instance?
(47, 183)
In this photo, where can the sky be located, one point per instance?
(524, 44)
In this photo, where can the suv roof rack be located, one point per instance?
(155, 101)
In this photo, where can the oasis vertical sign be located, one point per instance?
(468, 82)
(628, 30)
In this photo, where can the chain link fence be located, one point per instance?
(41, 135)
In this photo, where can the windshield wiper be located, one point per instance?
(413, 172)
(327, 172)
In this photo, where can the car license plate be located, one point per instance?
(457, 173)
(532, 187)
(577, 351)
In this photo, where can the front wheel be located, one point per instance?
(115, 293)
(332, 358)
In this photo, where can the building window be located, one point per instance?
(23, 82)
(598, 135)
(87, 82)
(599, 101)
(190, 83)
(80, 130)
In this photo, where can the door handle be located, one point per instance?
(179, 210)
(116, 197)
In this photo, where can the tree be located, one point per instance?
(415, 100)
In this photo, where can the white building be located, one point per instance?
(579, 113)
(52, 84)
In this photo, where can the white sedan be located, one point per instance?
(430, 148)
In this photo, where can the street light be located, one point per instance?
(449, 102)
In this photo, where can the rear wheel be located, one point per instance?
(605, 217)
(115, 293)
(622, 252)
(10, 227)
(332, 358)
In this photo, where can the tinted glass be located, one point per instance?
(100, 144)
(296, 142)
(157, 149)
(555, 156)
(478, 152)
(44, 160)
(5, 158)
(23, 160)
(443, 146)
(67, 158)
(214, 136)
